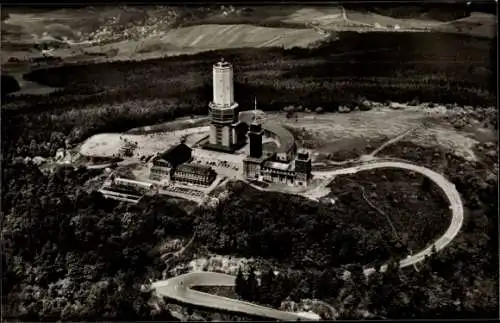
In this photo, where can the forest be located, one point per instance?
(459, 282)
(74, 256)
(66, 251)
(73, 238)
(306, 235)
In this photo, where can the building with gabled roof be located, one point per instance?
(164, 163)
(174, 156)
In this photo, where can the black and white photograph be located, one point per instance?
(260, 161)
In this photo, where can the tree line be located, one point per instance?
(306, 235)
(271, 290)
(114, 97)
(68, 254)
(459, 281)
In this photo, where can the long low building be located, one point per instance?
(194, 174)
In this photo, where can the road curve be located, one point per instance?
(447, 187)
(173, 288)
(182, 292)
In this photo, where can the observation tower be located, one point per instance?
(222, 110)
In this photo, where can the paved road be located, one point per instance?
(448, 188)
(182, 292)
(174, 289)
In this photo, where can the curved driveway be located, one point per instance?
(173, 287)
(447, 187)
(182, 292)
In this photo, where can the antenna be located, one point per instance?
(255, 109)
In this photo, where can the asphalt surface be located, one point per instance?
(448, 188)
(178, 287)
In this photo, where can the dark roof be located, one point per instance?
(304, 155)
(176, 155)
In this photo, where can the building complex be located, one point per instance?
(227, 134)
(230, 131)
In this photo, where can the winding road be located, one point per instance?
(179, 288)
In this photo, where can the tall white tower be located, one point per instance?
(222, 108)
(223, 84)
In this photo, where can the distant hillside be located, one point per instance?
(237, 36)
(104, 33)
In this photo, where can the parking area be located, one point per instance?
(223, 163)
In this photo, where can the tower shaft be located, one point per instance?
(223, 90)
(222, 109)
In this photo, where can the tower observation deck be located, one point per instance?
(222, 109)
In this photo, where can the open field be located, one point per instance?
(478, 24)
(199, 38)
(332, 132)
(206, 37)
(109, 144)
(361, 131)
(122, 33)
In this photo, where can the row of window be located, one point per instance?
(160, 171)
(190, 175)
(274, 171)
(280, 179)
(200, 181)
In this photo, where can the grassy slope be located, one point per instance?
(122, 30)
(397, 57)
(214, 36)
